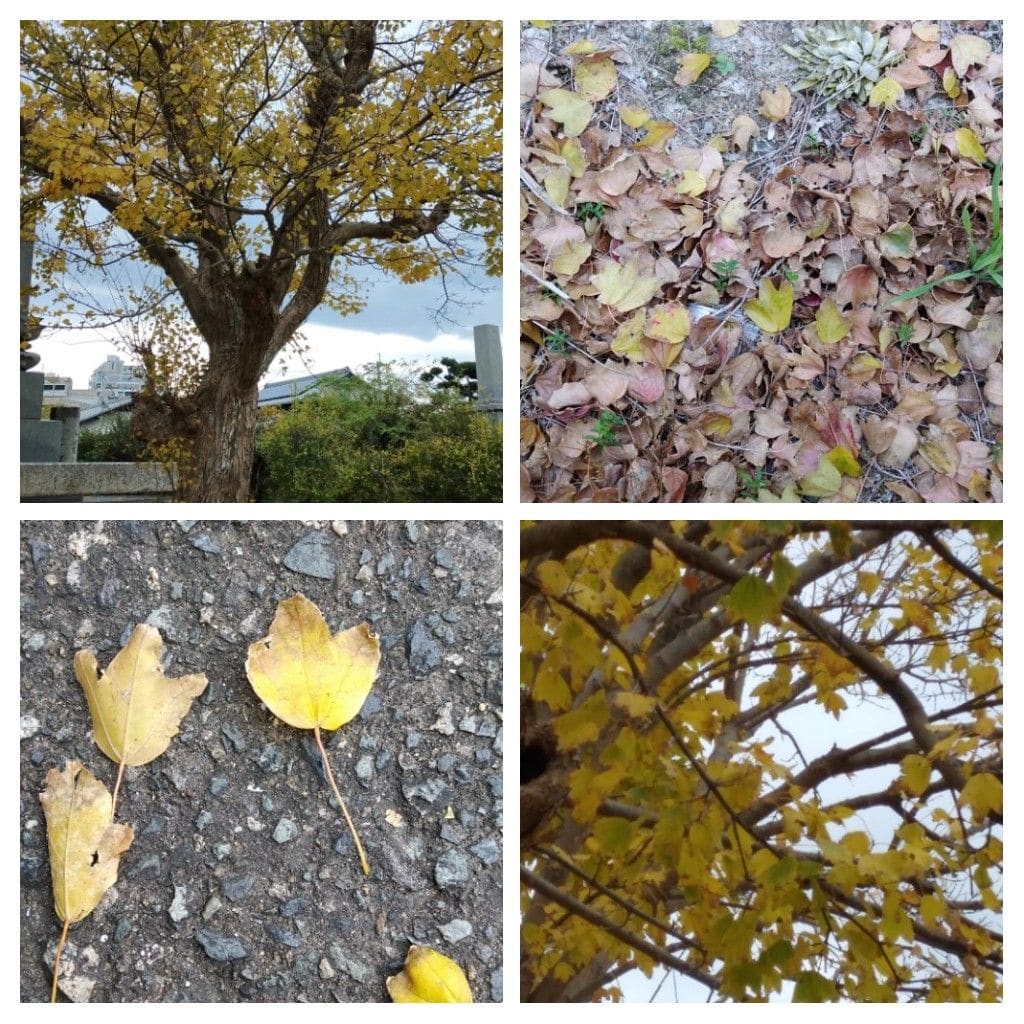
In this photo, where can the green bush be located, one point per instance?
(380, 438)
(118, 444)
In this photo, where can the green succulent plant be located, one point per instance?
(841, 60)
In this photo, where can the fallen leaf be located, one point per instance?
(898, 241)
(692, 183)
(885, 93)
(730, 216)
(844, 460)
(595, 78)
(669, 322)
(313, 680)
(136, 710)
(830, 324)
(968, 146)
(775, 105)
(782, 240)
(691, 67)
(724, 29)
(744, 128)
(773, 308)
(822, 482)
(658, 134)
(429, 977)
(622, 287)
(951, 84)
(635, 117)
(967, 50)
(85, 845)
(570, 109)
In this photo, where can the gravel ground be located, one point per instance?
(242, 883)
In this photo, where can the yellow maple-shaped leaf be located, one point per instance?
(658, 134)
(968, 145)
(429, 977)
(773, 307)
(570, 109)
(916, 774)
(311, 679)
(135, 708)
(669, 322)
(629, 337)
(693, 183)
(691, 67)
(885, 93)
(830, 324)
(571, 256)
(822, 482)
(85, 845)
(623, 287)
(984, 793)
(635, 117)
(595, 78)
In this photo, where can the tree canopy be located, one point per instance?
(764, 758)
(257, 166)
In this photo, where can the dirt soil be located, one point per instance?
(242, 883)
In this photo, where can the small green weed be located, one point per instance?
(724, 64)
(790, 275)
(604, 429)
(554, 296)
(904, 333)
(724, 271)
(751, 484)
(557, 341)
(984, 266)
(586, 211)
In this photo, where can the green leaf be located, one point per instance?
(784, 572)
(811, 987)
(613, 835)
(781, 872)
(753, 600)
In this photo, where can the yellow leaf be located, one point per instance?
(916, 774)
(729, 217)
(429, 977)
(313, 680)
(693, 183)
(622, 287)
(635, 117)
(885, 93)
(822, 482)
(984, 792)
(691, 67)
(843, 459)
(595, 78)
(669, 322)
(636, 705)
(629, 337)
(571, 110)
(85, 845)
(831, 325)
(574, 157)
(984, 679)
(724, 29)
(581, 47)
(951, 84)
(967, 50)
(135, 708)
(968, 145)
(658, 133)
(773, 308)
(775, 105)
(571, 256)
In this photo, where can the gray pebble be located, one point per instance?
(271, 759)
(219, 946)
(452, 869)
(423, 650)
(326, 970)
(205, 543)
(283, 935)
(357, 599)
(357, 971)
(293, 907)
(455, 931)
(482, 755)
(452, 833)
(430, 790)
(412, 740)
(30, 725)
(186, 524)
(385, 563)
(364, 768)
(445, 724)
(499, 742)
(32, 865)
(310, 556)
(177, 910)
(234, 735)
(462, 773)
(445, 762)
(236, 889)
(494, 782)
(38, 756)
(40, 552)
(412, 530)
(488, 728)
(122, 929)
(107, 597)
(218, 785)
(148, 865)
(424, 584)
(213, 904)
(222, 850)
(285, 831)
(177, 590)
(203, 819)
(444, 558)
(496, 985)
(35, 641)
(74, 574)
(370, 707)
(79, 969)
(469, 723)
(487, 850)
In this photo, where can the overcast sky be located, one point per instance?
(396, 324)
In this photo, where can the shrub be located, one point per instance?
(118, 444)
(380, 438)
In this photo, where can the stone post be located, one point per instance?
(487, 342)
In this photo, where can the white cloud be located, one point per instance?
(75, 354)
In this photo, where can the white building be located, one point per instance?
(114, 378)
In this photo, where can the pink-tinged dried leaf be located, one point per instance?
(641, 484)
(554, 234)
(782, 240)
(673, 484)
(775, 104)
(720, 483)
(567, 444)
(870, 205)
(928, 31)
(618, 176)
(769, 423)
(994, 384)
(744, 129)
(646, 382)
(574, 393)
(967, 50)
(606, 382)
(526, 493)
(724, 29)
(939, 489)
(859, 285)
(984, 112)
(981, 347)
(909, 75)
(943, 310)
(975, 460)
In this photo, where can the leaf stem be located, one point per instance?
(344, 810)
(117, 786)
(56, 961)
